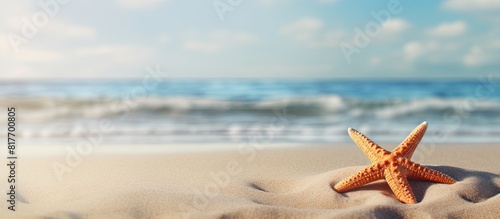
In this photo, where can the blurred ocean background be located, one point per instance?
(211, 111)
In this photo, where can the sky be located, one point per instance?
(316, 39)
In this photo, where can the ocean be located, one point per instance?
(269, 111)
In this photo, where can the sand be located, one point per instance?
(251, 183)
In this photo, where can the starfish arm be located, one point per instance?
(373, 151)
(417, 171)
(399, 184)
(364, 176)
(408, 146)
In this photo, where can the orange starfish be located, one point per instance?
(394, 166)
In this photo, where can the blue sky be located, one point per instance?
(255, 39)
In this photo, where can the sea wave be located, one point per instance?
(40, 109)
(190, 119)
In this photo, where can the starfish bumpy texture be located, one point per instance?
(394, 166)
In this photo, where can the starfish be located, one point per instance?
(394, 166)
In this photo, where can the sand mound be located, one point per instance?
(475, 193)
(288, 183)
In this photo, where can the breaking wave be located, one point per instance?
(41, 109)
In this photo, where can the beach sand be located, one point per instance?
(251, 183)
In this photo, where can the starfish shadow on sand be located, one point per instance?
(478, 186)
(482, 184)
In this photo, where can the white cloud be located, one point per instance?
(285, 70)
(219, 40)
(472, 5)
(104, 60)
(476, 56)
(38, 56)
(494, 44)
(394, 26)
(431, 51)
(116, 54)
(28, 62)
(304, 24)
(12, 13)
(329, 39)
(164, 38)
(484, 54)
(65, 30)
(310, 31)
(448, 29)
(413, 50)
(304, 29)
(139, 4)
(56, 33)
(374, 61)
(391, 30)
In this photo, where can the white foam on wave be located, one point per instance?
(306, 116)
(49, 108)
